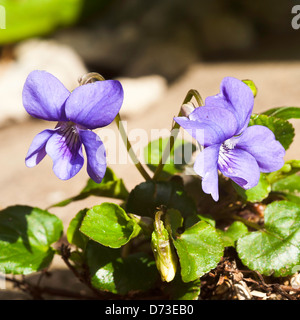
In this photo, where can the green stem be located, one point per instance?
(193, 93)
(130, 151)
(174, 133)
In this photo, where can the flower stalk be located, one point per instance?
(174, 132)
(130, 151)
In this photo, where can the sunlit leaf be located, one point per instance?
(26, 235)
(109, 225)
(110, 272)
(284, 113)
(275, 249)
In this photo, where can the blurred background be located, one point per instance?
(134, 38)
(158, 49)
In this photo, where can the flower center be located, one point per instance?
(69, 133)
(223, 153)
(228, 145)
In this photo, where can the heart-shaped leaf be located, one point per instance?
(274, 250)
(109, 225)
(199, 249)
(26, 235)
(110, 272)
(147, 196)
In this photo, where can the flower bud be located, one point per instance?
(165, 257)
(252, 86)
(90, 78)
(187, 109)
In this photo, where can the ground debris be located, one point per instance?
(242, 291)
(231, 280)
(259, 294)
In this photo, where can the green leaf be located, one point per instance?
(74, 236)
(257, 193)
(289, 187)
(190, 221)
(147, 196)
(252, 86)
(283, 130)
(274, 250)
(110, 272)
(174, 221)
(233, 233)
(199, 250)
(179, 290)
(109, 225)
(26, 235)
(292, 198)
(290, 184)
(207, 219)
(110, 187)
(179, 157)
(284, 113)
(290, 167)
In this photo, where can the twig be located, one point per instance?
(281, 289)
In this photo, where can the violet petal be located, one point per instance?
(67, 157)
(260, 142)
(221, 119)
(44, 96)
(95, 105)
(96, 155)
(37, 152)
(205, 132)
(206, 165)
(237, 97)
(240, 166)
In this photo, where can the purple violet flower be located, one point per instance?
(239, 152)
(90, 106)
